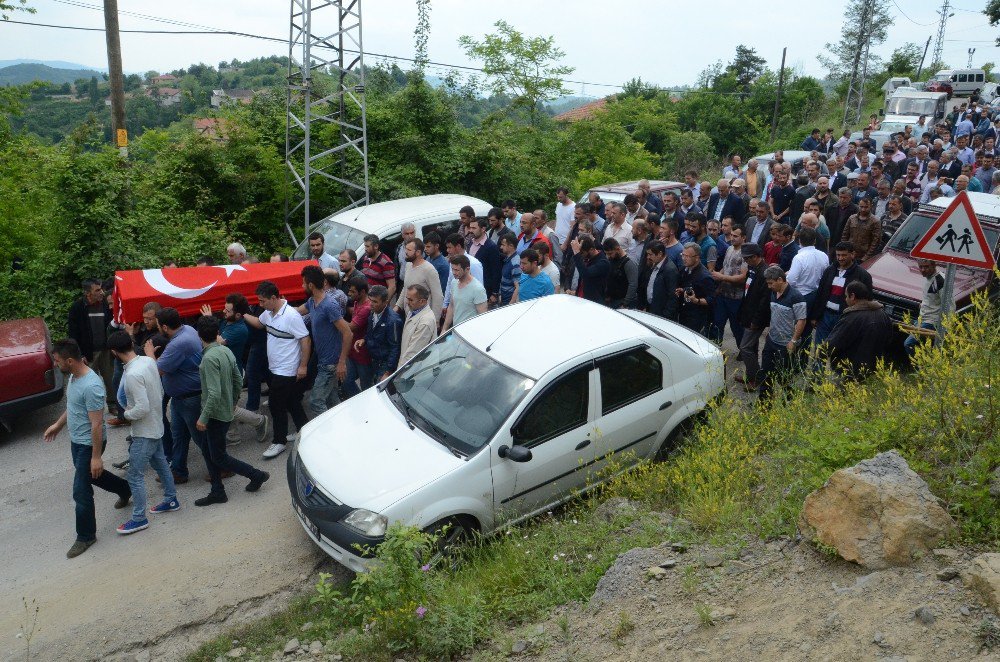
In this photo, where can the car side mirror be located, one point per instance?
(515, 453)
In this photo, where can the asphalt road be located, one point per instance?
(127, 593)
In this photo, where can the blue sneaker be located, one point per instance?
(132, 526)
(166, 507)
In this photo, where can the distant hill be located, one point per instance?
(55, 64)
(19, 74)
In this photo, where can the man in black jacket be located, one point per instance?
(830, 295)
(593, 267)
(88, 321)
(487, 252)
(755, 313)
(861, 335)
(623, 276)
(657, 289)
(695, 291)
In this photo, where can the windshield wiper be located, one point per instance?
(439, 435)
(406, 411)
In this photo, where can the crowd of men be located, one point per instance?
(774, 258)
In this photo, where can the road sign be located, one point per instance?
(122, 136)
(956, 238)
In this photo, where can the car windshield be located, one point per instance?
(911, 106)
(917, 225)
(457, 394)
(337, 237)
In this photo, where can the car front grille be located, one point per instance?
(309, 492)
(898, 308)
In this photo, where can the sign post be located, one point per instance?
(955, 238)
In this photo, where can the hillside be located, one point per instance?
(19, 74)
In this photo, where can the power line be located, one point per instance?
(907, 17)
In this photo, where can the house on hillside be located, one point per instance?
(165, 96)
(586, 111)
(165, 79)
(220, 97)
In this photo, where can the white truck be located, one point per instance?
(907, 106)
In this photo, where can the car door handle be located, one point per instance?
(583, 444)
(665, 405)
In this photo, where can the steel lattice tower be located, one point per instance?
(325, 129)
(939, 40)
(859, 71)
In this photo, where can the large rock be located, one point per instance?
(983, 575)
(878, 513)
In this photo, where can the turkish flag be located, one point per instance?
(189, 288)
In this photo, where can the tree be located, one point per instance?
(904, 60)
(527, 68)
(992, 12)
(988, 69)
(746, 66)
(637, 87)
(18, 5)
(845, 56)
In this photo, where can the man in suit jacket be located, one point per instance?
(488, 254)
(658, 289)
(835, 178)
(758, 228)
(732, 204)
(420, 327)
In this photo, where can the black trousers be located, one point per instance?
(285, 398)
(218, 458)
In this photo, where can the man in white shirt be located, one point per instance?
(617, 228)
(288, 348)
(564, 214)
(549, 268)
(808, 265)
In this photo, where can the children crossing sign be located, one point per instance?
(956, 237)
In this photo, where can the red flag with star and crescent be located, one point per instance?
(189, 288)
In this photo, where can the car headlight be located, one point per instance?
(367, 523)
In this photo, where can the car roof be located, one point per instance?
(630, 187)
(986, 206)
(521, 336)
(790, 155)
(374, 217)
(913, 94)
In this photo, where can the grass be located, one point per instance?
(744, 472)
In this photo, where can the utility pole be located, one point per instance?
(945, 13)
(326, 136)
(777, 98)
(971, 51)
(115, 77)
(923, 57)
(859, 70)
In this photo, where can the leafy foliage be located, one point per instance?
(525, 67)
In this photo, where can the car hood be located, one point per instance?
(364, 454)
(896, 273)
(902, 119)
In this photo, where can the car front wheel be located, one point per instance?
(449, 535)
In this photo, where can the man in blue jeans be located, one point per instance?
(143, 394)
(84, 418)
(179, 367)
(331, 339)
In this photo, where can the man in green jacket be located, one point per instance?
(221, 383)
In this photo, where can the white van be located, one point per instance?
(429, 213)
(906, 106)
(963, 81)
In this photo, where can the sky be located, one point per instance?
(608, 43)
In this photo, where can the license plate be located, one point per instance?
(313, 529)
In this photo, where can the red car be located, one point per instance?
(30, 378)
(939, 85)
(897, 281)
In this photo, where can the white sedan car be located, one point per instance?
(505, 416)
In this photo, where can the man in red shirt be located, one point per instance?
(378, 267)
(359, 362)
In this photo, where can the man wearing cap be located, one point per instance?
(754, 312)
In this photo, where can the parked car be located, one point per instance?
(963, 81)
(429, 213)
(940, 85)
(796, 157)
(481, 429)
(617, 192)
(897, 281)
(30, 378)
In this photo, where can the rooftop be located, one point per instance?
(583, 112)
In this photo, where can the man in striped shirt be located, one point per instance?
(788, 324)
